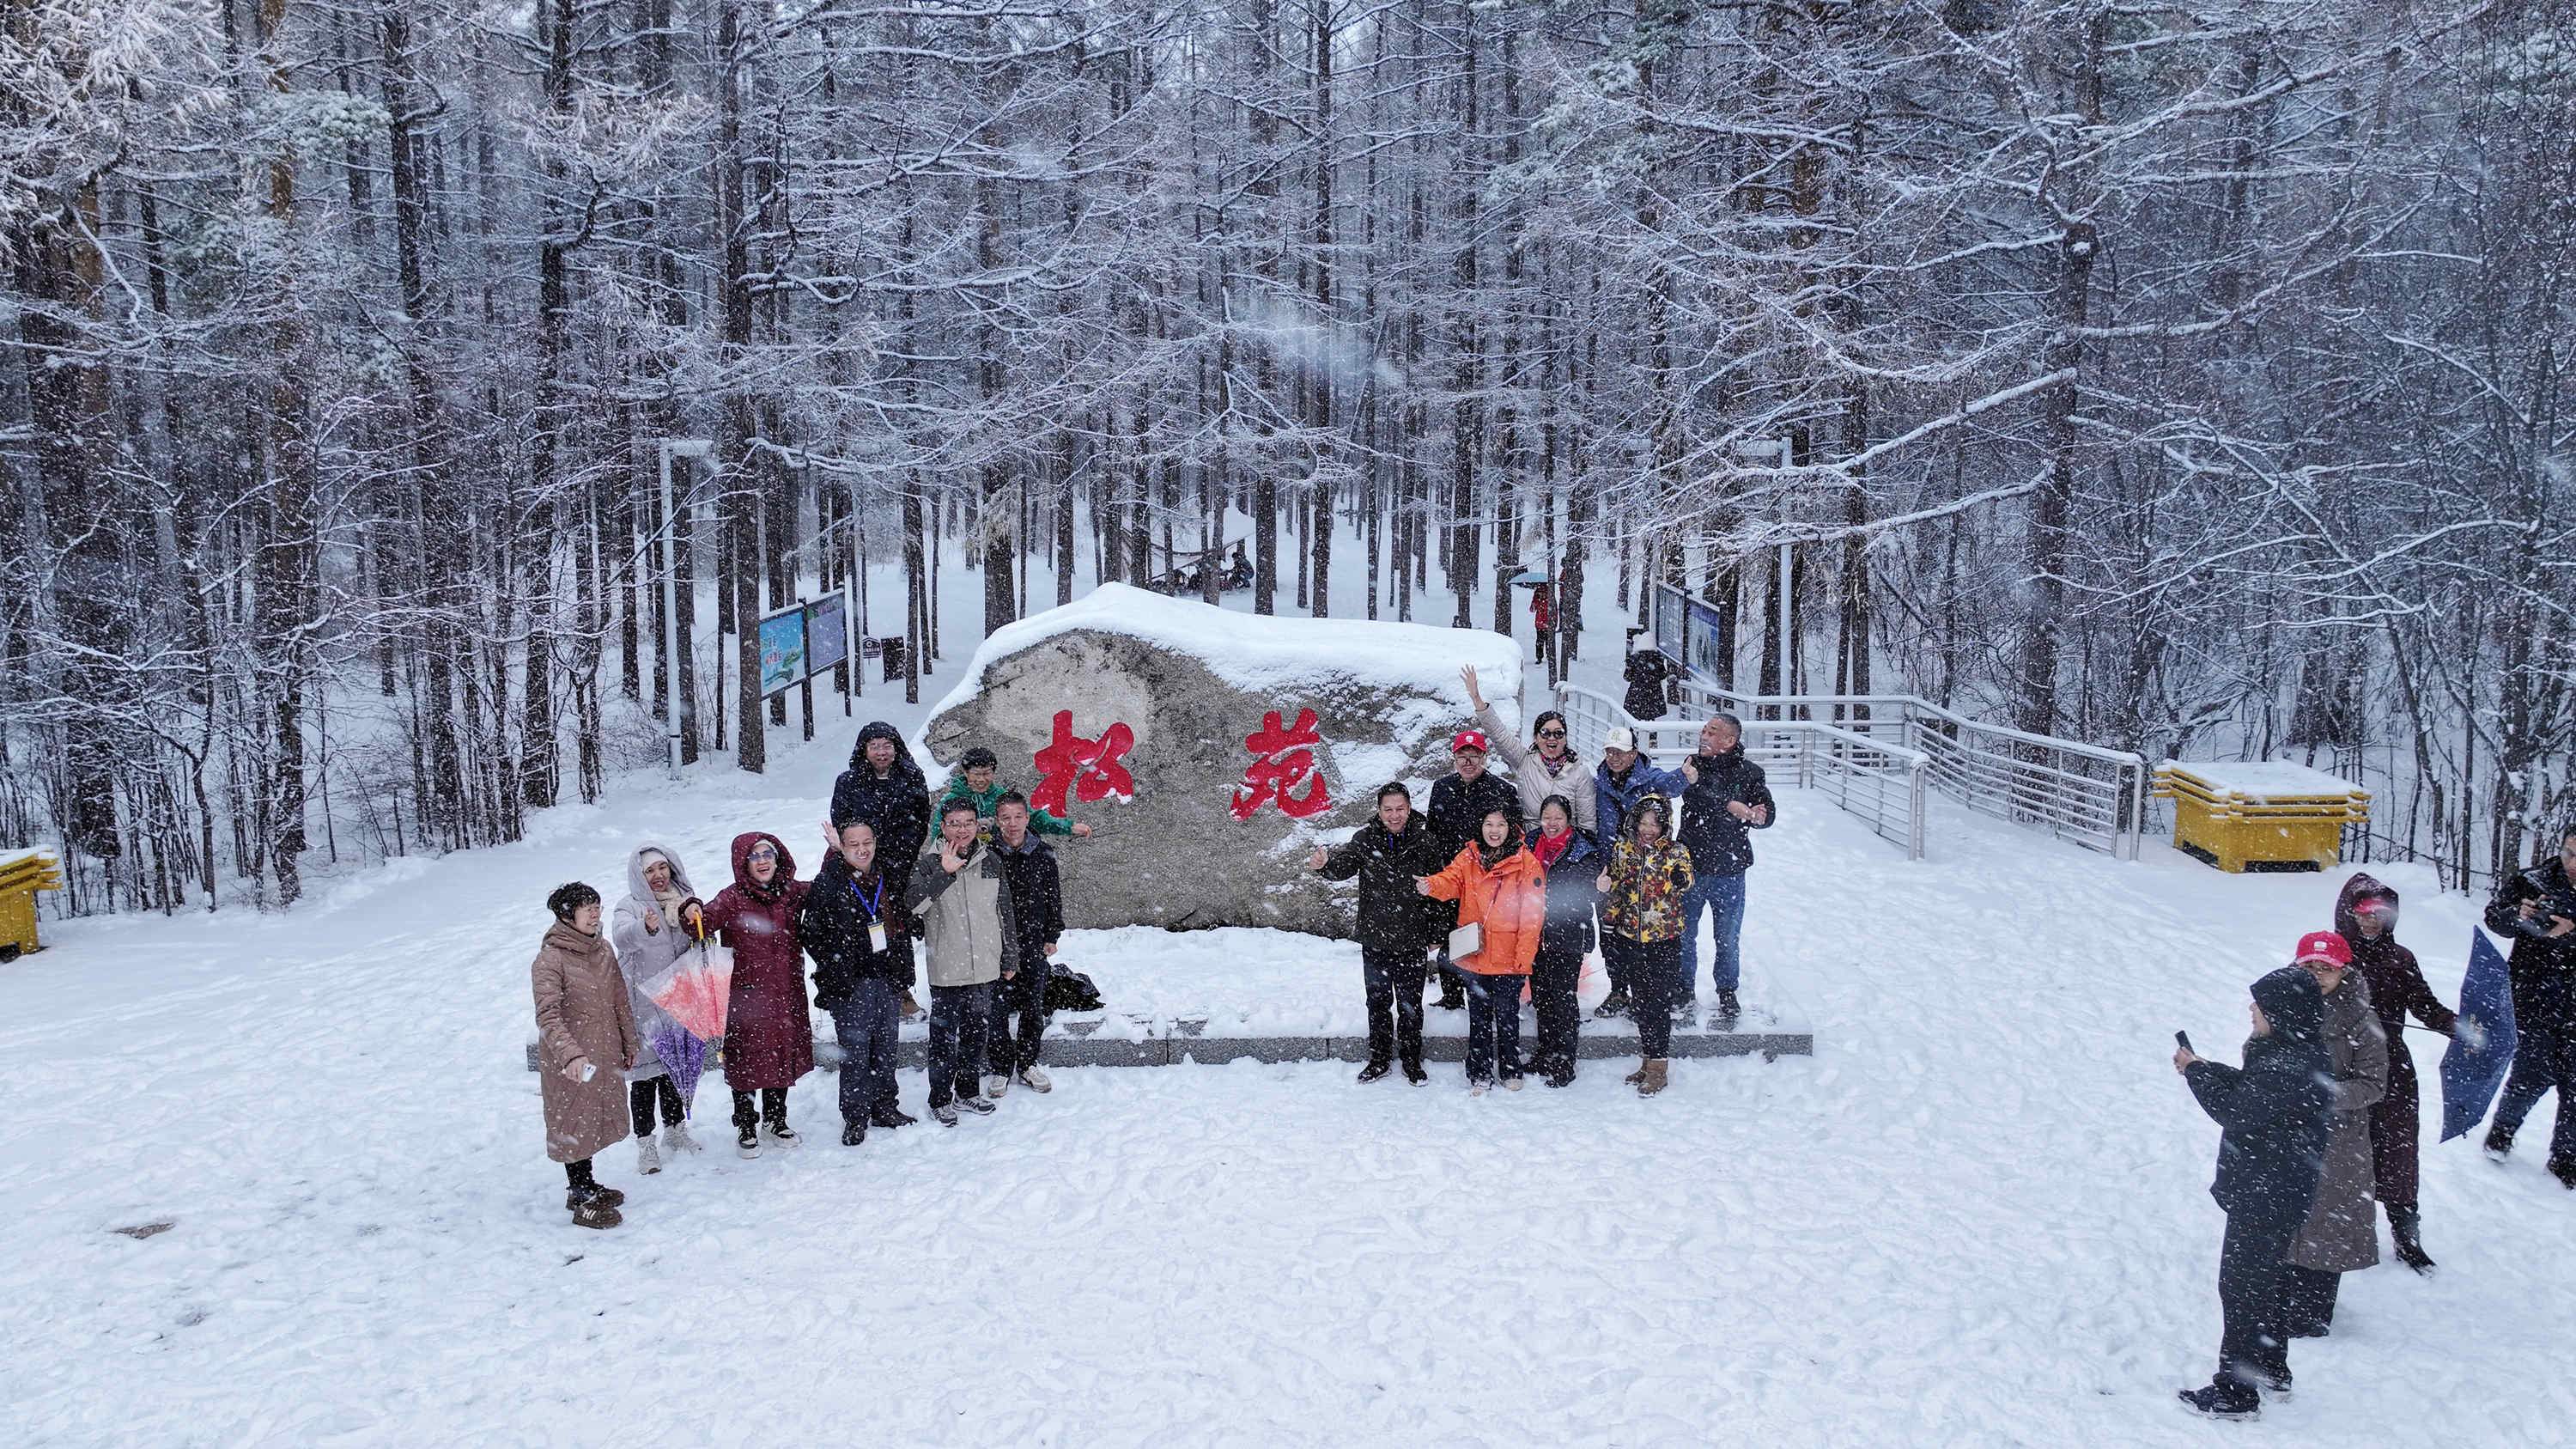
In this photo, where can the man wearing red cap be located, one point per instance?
(1459, 801)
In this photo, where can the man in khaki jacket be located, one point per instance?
(962, 900)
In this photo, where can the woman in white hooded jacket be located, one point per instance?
(654, 924)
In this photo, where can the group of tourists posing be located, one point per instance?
(1543, 864)
(1531, 861)
(2322, 1119)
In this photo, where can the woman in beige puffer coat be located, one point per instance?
(585, 1042)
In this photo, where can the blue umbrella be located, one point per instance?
(2471, 1071)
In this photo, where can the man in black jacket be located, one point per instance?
(853, 924)
(1396, 927)
(1459, 801)
(2275, 1116)
(2537, 908)
(1037, 918)
(886, 789)
(1727, 798)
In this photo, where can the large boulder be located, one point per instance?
(1143, 706)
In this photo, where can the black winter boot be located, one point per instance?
(2499, 1142)
(2405, 1225)
(2223, 1401)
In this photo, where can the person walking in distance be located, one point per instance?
(1500, 891)
(1725, 800)
(962, 899)
(854, 925)
(769, 1031)
(586, 1039)
(1037, 913)
(2275, 1115)
(2537, 908)
(1459, 801)
(1395, 928)
(1642, 890)
(2341, 1234)
(660, 920)
(1621, 780)
(2366, 918)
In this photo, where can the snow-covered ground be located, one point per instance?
(1977, 1216)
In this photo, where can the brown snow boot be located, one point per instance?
(1637, 1076)
(595, 1212)
(1650, 1077)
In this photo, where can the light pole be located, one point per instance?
(673, 448)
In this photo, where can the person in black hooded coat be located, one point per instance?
(2276, 1114)
(886, 789)
(2366, 917)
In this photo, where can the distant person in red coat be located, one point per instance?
(1543, 618)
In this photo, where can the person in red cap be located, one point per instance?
(2276, 1114)
(2341, 1234)
(1459, 801)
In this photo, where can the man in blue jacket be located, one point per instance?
(1621, 780)
(2275, 1115)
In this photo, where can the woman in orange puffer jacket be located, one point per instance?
(1499, 887)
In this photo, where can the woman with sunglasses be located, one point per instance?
(769, 1032)
(1545, 767)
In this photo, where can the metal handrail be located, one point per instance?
(2012, 774)
(1879, 783)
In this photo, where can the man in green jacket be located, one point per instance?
(976, 784)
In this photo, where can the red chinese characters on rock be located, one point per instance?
(1283, 758)
(1088, 770)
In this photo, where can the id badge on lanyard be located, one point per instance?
(876, 928)
(877, 937)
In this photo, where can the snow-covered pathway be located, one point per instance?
(1978, 1215)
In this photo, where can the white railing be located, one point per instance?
(1879, 782)
(2088, 794)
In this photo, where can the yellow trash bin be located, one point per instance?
(2260, 815)
(22, 874)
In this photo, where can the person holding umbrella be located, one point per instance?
(2366, 917)
(585, 1039)
(659, 921)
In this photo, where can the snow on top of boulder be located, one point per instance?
(2258, 779)
(1270, 653)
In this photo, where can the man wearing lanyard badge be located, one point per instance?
(853, 925)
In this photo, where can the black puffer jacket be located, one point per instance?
(1037, 896)
(1720, 844)
(896, 804)
(1393, 916)
(1458, 809)
(2277, 1112)
(832, 926)
(2543, 970)
(1573, 892)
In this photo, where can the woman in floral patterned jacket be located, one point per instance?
(1641, 924)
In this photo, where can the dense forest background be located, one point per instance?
(2190, 378)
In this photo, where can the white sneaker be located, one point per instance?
(1478, 1089)
(995, 1086)
(647, 1161)
(1034, 1078)
(676, 1139)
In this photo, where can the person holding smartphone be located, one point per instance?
(586, 1040)
(2537, 909)
(2276, 1115)
(962, 899)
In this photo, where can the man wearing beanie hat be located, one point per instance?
(2276, 1114)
